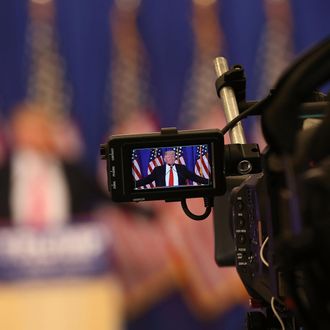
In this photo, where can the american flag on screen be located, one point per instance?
(155, 159)
(179, 159)
(202, 165)
(136, 170)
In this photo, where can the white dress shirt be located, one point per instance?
(175, 175)
(33, 174)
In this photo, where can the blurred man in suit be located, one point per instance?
(37, 186)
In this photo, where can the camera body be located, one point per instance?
(271, 215)
(240, 198)
(250, 232)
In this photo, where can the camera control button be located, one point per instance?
(112, 154)
(239, 205)
(241, 238)
(240, 255)
(240, 221)
(113, 171)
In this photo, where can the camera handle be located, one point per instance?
(230, 107)
(240, 158)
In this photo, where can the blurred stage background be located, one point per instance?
(128, 66)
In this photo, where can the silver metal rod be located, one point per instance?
(229, 103)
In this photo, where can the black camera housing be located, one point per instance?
(118, 154)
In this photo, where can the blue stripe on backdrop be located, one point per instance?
(311, 22)
(165, 28)
(242, 23)
(13, 18)
(84, 35)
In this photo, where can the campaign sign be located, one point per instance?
(76, 250)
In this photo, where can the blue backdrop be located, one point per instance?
(85, 43)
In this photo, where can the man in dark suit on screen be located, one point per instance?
(170, 174)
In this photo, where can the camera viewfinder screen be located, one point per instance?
(171, 167)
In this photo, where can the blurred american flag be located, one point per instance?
(202, 165)
(276, 45)
(275, 52)
(200, 106)
(47, 81)
(129, 96)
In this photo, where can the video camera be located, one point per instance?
(271, 209)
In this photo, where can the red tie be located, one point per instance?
(171, 178)
(37, 207)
